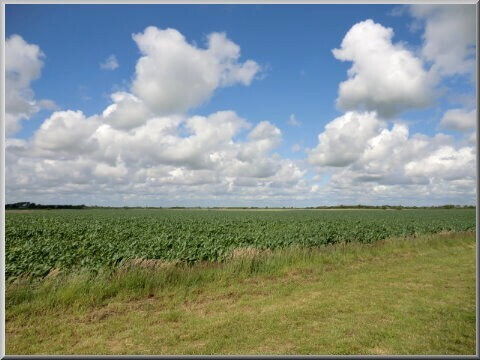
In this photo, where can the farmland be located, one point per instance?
(412, 295)
(68, 240)
(240, 281)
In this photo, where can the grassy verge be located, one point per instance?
(398, 296)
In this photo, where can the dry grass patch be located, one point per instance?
(249, 253)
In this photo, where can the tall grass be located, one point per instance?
(132, 281)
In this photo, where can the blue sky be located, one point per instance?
(291, 44)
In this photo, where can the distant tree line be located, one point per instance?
(30, 205)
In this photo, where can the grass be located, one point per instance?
(397, 296)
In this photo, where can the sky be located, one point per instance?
(240, 105)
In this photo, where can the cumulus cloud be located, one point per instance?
(173, 76)
(164, 157)
(345, 138)
(66, 131)
(385, 160)
(367, 153)
(263, 138)
(445, 162)
(126, 112)
(23, 64)
(265, 131)
(143, 143)
(384, 77)
(449, 37)
(208, 136)
(459, 119)
(110, 63)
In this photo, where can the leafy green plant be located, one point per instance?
(40, 241)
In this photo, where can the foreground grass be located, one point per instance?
(398, 296)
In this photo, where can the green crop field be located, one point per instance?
(39, 241)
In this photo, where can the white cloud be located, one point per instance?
(173, 76)
(388, 163)
(446, 163)
(165, 157)
(344, 139)
(107, 171)
(459, 119)
(22, 61)
(226, 54)
(292, 121)
(207, 136)
(126, 112)
(23, 64)
(110, 63)
(449, 37)
(66, 131)
(370, 159)
(262, 139)
(384, 77)
(265, 131)
(137, 148)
